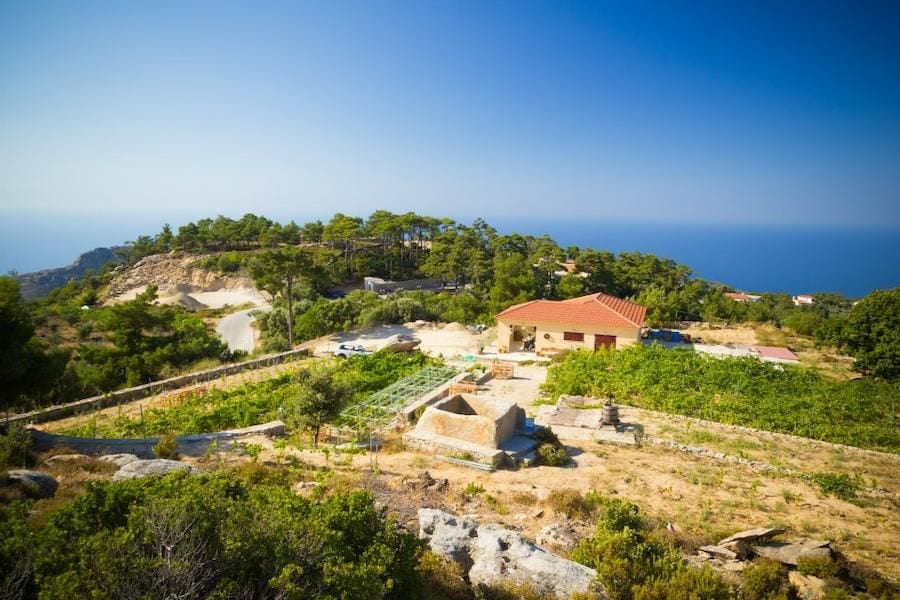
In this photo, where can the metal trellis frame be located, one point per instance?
(379, 408)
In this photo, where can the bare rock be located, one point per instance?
(752, 535)
(64, 458)
(808, 587)
(739, 547)
(120, 460)
(35, 483)
(145, 468)
(447, 535)
(789, 552)
(719, 552)
(493, 555)
(557, 537)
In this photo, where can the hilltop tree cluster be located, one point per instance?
(54, 350)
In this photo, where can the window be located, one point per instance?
(571, 336)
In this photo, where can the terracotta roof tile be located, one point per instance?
(594, 309)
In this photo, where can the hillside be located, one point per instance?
(40, 283)
(182, 280)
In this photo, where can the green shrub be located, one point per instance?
(220, 536)
(550, 452)
(696, 584)
(167, 447)
(15, 447)
(626, 554)
(839, 485)
(818, 566)
(766, 579)
(442, 579)
(551, 456)
(472, 489)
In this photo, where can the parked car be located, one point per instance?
(348, 350)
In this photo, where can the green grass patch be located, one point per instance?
(253, 403)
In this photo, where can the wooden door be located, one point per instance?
(604, 340)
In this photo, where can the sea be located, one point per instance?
(850, 260)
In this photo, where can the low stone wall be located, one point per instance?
(188, 445)
(61, 411)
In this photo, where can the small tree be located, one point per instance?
(872, 333)
(276, 271)
(321, 398)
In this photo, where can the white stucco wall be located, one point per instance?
(549, 336)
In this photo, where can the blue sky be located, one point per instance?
(764, 113)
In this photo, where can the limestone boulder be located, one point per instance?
(493, 555)
(448, 536)
(808, 586)
(64, 458)
(145, 468)
(789, 552)
(120, 460)
(719, 552)
(557, 537)
(752, 535)
(35, 483)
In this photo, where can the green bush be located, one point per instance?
(166, 447)
(208, 536)
(839, 485)
(766, 579)
(696, 584)
(550, 452)
(634, 562)
(818, 566)
(15, 447)
(551, 456)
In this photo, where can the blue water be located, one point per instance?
(853, 261)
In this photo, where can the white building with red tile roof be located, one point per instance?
(588, 322)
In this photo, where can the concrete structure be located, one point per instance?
(741, 297)
(382, 286)
(589, 322)
(803, 299)
(465, 424)
(775, 354)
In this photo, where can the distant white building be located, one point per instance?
(803, 299)
(742, 297)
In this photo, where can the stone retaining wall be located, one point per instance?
(189, 445)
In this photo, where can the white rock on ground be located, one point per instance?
(64, 458)
(752, 535)
(36, 483)
(120, 460)
(144, 468)
(493, 555)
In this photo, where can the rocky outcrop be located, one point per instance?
(174, 272)
(492, 555)
(65, 458)
(559, 537)
(808, 586)
(40, 283)
(35, 483)
(120, 460)
(789, 553)
(731, 553)
(145, 468)
(752, 535)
